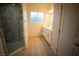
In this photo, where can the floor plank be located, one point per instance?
(37, 46)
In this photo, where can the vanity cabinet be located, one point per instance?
(46, 33)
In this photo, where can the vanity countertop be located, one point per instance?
(49, 28)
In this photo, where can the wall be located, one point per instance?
(35, 28)
(56, 27)
(24, 6)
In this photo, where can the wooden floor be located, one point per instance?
(37, 46)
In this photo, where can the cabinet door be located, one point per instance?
(69, 29)
(48, 36)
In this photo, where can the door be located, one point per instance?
(69, 29)
(12, 22)
(1, 48)
(2, 52)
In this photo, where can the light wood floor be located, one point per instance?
(37, 46)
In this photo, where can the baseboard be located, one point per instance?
(13, 53)
(45, 40)
(53, 52)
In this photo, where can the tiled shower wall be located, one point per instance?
(12, 23)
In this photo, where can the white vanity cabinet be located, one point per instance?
(46, 33)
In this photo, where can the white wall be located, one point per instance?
(56, 26)
(24, 6)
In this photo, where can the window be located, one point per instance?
(37, 16)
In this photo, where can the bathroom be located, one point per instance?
(39, 29)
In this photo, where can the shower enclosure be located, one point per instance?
(12, 25)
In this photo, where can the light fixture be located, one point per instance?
(13, 4)
(50, 11)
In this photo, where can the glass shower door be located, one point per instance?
(12, 26)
